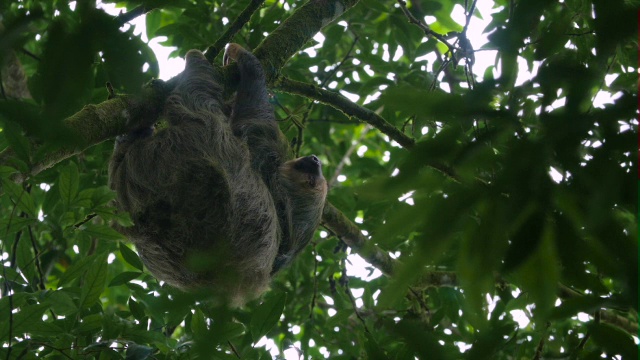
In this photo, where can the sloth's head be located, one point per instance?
(306, 191)
(305, 175)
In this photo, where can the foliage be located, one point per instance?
(479, 205)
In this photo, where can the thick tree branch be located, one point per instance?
(124, 18)
(607, 316)
(297, 30)
(349, 232)
(97, 123)
(334, 220)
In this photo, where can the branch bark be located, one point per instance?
(349, 108)
(96, 123)
(285, 41)
(238, 23)
(349, 232)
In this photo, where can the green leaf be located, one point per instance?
(44, 329)
(124, 278)
(137, 309)
(138, 352)
(374, 351)
(540, 274)
(63, 80)
(11, 302)
(613, 340)
(6, 171)
(20, 197)
(26, 259)
(199, 324)
(266, 316)
(12, 131)
(61, 303)
(77, 269)
(90, 323)
(94, 282)
(68, 184)
(101, 232)
(12, 225)
(28, 318)
(130, 257)
(10, 274)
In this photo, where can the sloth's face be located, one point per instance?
(306, 172)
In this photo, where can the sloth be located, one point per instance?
(216, 204)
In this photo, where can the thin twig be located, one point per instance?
(347, 291)
(347, 155)
(34, 245)
(307, 113)
(233, 349)
(427, 30)
(315, 282)
(85, 220)
(124, 18)
(232, 30)
(349, 108)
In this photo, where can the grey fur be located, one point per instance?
(214, 201)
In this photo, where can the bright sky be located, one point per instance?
(356, 265)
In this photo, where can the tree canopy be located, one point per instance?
(496, 208)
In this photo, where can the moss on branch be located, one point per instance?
(297, 30)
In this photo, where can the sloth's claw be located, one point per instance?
(232, 52)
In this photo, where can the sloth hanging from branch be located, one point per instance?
(214, 201)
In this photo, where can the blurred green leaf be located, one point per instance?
(103, 232)
(68, 184)
(27, 319)
(198, 324)
(77, 269)
(61, 303)
(20, 197)
(94, 281)
(124, 277)
(266, 316)
(539, 275)
(137, 310)
(130, 257)
(614, 341)
(138, 352)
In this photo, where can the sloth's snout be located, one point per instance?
(315, 159)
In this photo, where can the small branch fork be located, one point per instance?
(422, 25)
(461, 46)
(244, 17)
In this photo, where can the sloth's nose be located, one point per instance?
(315, 159)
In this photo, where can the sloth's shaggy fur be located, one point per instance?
(214, 202)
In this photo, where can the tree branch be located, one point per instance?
(297, 30)
(349, 232)
(96, 123)
(425, 28)
(124, 18)
(213, 50)
(349, 108)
